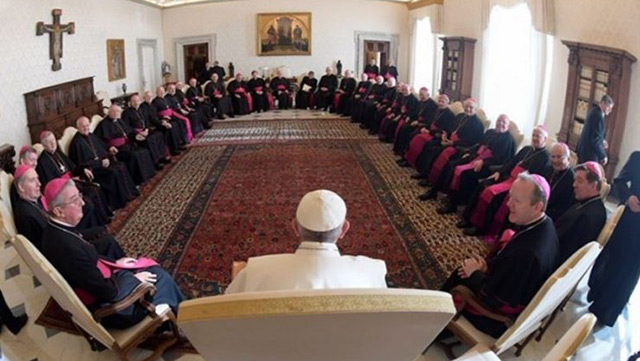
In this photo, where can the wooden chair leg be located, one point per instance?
(546, 324)
(519, 347)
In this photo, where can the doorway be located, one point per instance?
(196, 57)
(148, 63)
(378, 50)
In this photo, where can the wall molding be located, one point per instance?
(422, 3)
(362, 36)
(179, 43)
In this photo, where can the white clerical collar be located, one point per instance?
(306, 247)
(61, 223)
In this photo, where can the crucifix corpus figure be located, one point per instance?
(55, 31)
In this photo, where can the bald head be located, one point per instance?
(83, 125)
(114, 111)
(160, 92)
(148, 95)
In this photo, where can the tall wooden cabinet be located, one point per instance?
(56, 107)
(593, 72)
(457, 67)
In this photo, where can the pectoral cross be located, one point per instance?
(55, 31)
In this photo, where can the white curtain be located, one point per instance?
(542, 13)
(423, 55)
(516, 61)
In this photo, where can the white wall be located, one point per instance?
(25, 63)
(333, 25)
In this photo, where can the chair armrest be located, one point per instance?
(137, 295)
(468, 298)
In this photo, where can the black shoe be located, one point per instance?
(425, 196)
(159, 166)
(470, 231)
(431, 194)
(447, 209)
(363, 126)
(424, 183)
(404, 164)
(416, 176)
(17, 324)
(463, 224)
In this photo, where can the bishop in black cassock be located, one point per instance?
(512, 274)
(584, 220)
(216, 93)
(77, 261)
(361, 93)
(560, 176)
(344, 93)
(145, 137)
(591, 145)
(240, 96)
(486, 202)
(258, 89)
(87, 150)
(423, 119)
(617, 269)
(171, 129)
(326, 90)
(117, 134)
(281, 92)
(53, 163)
(304, 96)
(195, 99)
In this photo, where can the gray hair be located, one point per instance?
(330, 236)
(58, 200)
(607, 99)
(538, 193)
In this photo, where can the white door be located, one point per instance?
(149, 68)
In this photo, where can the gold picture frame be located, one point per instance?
(115, 59)
(282, 34)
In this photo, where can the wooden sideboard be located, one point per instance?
(56, 107)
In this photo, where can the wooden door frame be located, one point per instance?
(361, 36)
(179, 43)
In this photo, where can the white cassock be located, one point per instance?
(313, 266)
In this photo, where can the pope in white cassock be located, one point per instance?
(320, 222)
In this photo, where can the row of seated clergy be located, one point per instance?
(30, 211)
(98, 277)
(462, 172)
(320, 222)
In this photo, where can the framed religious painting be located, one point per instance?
(284, 34)
(115, 59)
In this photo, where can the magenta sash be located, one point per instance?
(185, 120)
(258, 89)
(108, 268)
(489, 193)
(117, 142)
(455, 137)
(401, 123)
(216, 93)
(336, 100)
(499, 218)
(271, 102)
(362, 90)
(482, 153)
(415, 147)
(246, 96)
(372, 75)
(281, 87)
(441, 161)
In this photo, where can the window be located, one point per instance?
(516, 74)
(425, 56)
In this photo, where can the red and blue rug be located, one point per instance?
(234, 193)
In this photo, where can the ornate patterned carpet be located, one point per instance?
(234, 193)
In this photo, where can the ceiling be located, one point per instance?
(174, 3)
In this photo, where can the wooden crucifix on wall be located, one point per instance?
(55, 31)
